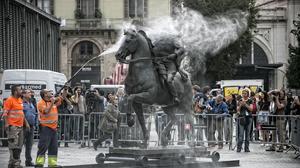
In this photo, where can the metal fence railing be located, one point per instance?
(127, 135)
(209, 129)
(3, 135)
(71, 128)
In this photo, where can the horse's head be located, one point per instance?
(128, 46)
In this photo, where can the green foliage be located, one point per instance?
(78, 14)
(98, 14)
(228, 57)
(293, 71)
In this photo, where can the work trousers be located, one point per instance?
(28, 142)
(15, 137)
(244, 130)
(47, 142)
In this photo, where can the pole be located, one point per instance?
(98, 56)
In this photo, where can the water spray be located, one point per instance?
(66, 84)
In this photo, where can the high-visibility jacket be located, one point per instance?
(13, 110)
(49, 119)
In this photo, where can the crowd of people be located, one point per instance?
(253, 113)
(22, 115)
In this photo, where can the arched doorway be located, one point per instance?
(90, 74)
(257, 66)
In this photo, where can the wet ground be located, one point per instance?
(257, 158)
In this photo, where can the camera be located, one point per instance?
(203, 107)
(275, 93)
(90, 95)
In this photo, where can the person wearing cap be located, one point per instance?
(14, 124)
(244, 111)
(48, 119)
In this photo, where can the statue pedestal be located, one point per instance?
(161, 155)
(160, 152)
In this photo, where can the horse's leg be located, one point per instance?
(138, 108)
(128, 111)
(172, 120)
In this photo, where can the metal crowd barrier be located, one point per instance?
(3, 135)
(71, 128)
(209, 129)
(127, 135)
(268, 128)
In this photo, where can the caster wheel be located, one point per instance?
(100, 158)
(215, 156)
(142, 160)
(181, 159)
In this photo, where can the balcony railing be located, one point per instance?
(70, 24)
(272, 14)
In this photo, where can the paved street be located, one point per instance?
(257, 158)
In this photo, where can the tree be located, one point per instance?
(228, 57)
(293, 71)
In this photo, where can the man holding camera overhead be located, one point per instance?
(278, 102)
(48, 118)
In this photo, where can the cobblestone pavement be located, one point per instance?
(257, 158)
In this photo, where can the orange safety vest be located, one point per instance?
(48, 119)
(13, 110)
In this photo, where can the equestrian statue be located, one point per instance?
(155, 78)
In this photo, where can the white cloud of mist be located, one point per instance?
(199, 35)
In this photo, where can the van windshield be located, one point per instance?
(108, 90)
(57, 87)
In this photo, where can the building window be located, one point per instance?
(46, 5)
(88, 7)
(86, 48)
(83, 52)
(256, 55)
(135, 8)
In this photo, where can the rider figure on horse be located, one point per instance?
(169, 55)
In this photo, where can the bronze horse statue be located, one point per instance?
(143, 86)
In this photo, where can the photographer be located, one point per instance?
(278, 104)
(220, 110)
(263, 107)
(232, 106)
(65, 127)
(78, 100)
(198, 105)
(295, 107)
(95, 103)
(288, 112)
(244, 112)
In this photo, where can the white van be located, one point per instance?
(31, 78)
(236, 86)
(107, 88)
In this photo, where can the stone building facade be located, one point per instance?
(269, 55)
(89, 27)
